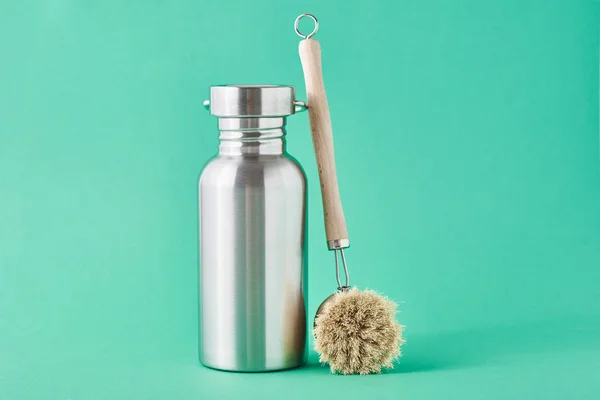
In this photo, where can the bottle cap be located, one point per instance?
(231, 101)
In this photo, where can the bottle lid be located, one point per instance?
(234, 101)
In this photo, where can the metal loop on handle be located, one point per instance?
(337, 270)
(316, 28)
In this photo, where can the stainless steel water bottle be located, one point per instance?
(252, 235)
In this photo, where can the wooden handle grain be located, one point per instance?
(320, 126)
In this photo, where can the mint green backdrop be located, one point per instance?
(467, 147)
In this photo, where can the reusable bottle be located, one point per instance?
(253, 277)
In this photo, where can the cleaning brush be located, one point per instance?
(355, 331)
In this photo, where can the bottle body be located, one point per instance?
(253, 255)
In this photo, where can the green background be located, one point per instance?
(467, 148)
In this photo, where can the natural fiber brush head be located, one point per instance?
(356, 332)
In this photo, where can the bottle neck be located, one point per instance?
(252, 136)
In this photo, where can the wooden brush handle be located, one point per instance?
(320, 126)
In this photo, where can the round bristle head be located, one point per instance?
(357, 333)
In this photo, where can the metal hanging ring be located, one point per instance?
(316, 28)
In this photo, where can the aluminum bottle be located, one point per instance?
(253, 276)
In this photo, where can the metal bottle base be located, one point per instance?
(272, 368)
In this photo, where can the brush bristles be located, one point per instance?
(357, 332)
